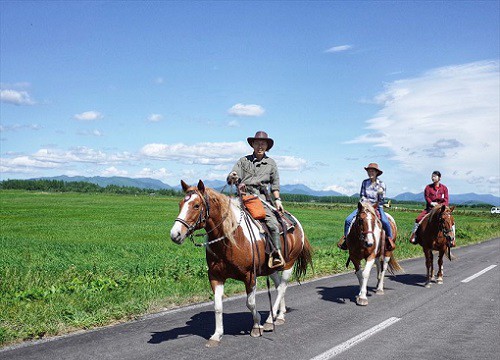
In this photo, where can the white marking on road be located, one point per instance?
(478, 274)
(353, 341)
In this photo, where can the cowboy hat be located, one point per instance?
(261, 135)
(374, 166)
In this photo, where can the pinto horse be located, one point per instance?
(236, 249)
(435, 233)
(366, 240)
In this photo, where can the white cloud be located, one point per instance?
(202, 153)
(94, 132)
(233, 123)
(88, 116)
(113, 171)
(290, 163)
(246, 110)
(62, 160)
(155, 118)
(15, 97)
(339, 48)
(447, 118)
(18, 127)
(339, 189)
(160, 174)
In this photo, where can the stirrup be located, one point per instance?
(276, 260)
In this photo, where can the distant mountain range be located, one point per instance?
(147, 183)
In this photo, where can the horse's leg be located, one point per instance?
(381, 274)
(363, 279)
(218, 289)
(428, 263)
(251, 291)
(440, 267)
(279, 308)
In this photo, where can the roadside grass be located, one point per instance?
(72, 261)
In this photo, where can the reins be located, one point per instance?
(202, 219)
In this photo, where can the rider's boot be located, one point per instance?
(342, 244)
(276, 259)
(413, 236)
(390, 243)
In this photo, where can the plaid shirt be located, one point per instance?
(369, 191)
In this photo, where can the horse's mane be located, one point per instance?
(370, 208)
(435, 211)
(222, 202)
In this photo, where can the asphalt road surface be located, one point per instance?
(459, 319)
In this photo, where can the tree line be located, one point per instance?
(80, 187)
(87, 187)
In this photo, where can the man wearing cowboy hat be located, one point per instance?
(372, 191)
(255, 173)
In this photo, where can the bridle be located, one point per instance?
(446, 232)
(362, 234)
(201, 221)
(202, 217)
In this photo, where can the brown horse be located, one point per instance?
(435, 233)
(236, 249)
(366, 240)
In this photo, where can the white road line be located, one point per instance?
(478, 274)
(353, 341)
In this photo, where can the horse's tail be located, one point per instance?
(394, 266)
(304, 259)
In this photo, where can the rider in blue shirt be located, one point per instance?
(373, 192)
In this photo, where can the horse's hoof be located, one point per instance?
(361, 302)
(428, 285)
(440, 281)
(379, 292)
(212, 343)
(256, 332)
(279, 322)
(268, 327)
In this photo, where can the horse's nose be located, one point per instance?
(176, 236)
(368, 244)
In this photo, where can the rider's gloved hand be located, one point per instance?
(232, 178)
(279, 205)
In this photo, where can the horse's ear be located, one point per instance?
(184, 185)
(201, 186)
(452, 208)
(443, 208)
(360, 206)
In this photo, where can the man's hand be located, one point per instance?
(380, 190)
(279, 205)
(242, 188)
(232, 178)
(433, 203)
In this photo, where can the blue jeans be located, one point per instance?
(383, 217)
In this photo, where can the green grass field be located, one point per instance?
(75, 261)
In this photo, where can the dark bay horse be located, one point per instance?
(366, 241)
(435, 233)
(236, 249)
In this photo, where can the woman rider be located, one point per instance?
(373, 192)
(435, 194)
(255, 173)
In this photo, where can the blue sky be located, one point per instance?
(171, 90)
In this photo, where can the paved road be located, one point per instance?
(456, 320)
